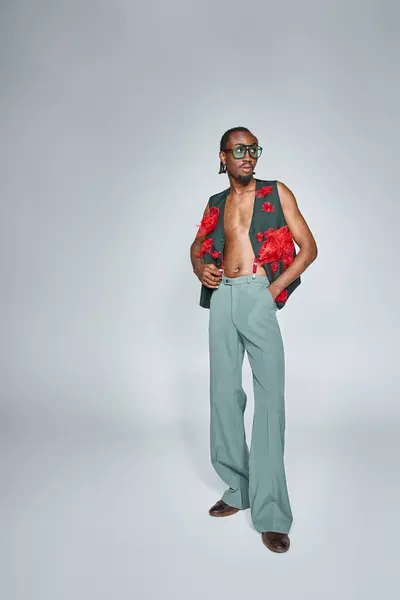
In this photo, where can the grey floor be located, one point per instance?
(106, 508)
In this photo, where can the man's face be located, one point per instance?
(240, 169)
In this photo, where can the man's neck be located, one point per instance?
(239, 188)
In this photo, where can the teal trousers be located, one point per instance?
(243, 317)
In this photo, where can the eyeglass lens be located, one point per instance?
(240, 150)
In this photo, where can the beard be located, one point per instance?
(244, 179)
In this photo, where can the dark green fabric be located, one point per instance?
(261, 221)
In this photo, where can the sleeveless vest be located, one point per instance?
(270, 237)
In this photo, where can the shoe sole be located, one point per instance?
(276, 550)
(225, 514)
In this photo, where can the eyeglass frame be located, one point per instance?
(247, 146)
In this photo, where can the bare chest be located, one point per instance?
(238, 214)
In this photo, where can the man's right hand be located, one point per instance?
(209, 275)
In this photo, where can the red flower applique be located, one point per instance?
(205, 247)
(263, 234)
(268, 207)
(274, 267)
(278, 246)
(282, 297)
(260, 236)
(266, 190)
(208, 222)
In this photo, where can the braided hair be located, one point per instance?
(224, 141)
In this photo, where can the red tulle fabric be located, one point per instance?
(274, 267)
(266, 190)
(205, 247)
(208, 222)
(268, 207)
(282, 297)
(278, 246)
(260, 236)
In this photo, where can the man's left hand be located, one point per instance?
(273, 291)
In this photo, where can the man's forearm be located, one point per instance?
(194, 251)
(300, 263)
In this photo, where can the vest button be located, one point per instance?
(222, 239)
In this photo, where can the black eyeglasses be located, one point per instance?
(239, 151)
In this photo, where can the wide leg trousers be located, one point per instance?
(243, 317)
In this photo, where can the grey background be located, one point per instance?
(111, 116)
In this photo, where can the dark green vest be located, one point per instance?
(264, 218)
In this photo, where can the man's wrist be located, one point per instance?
(275, 288)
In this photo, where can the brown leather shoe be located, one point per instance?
(221, 509)
(276, 542)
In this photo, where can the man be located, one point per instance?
(245, 259)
